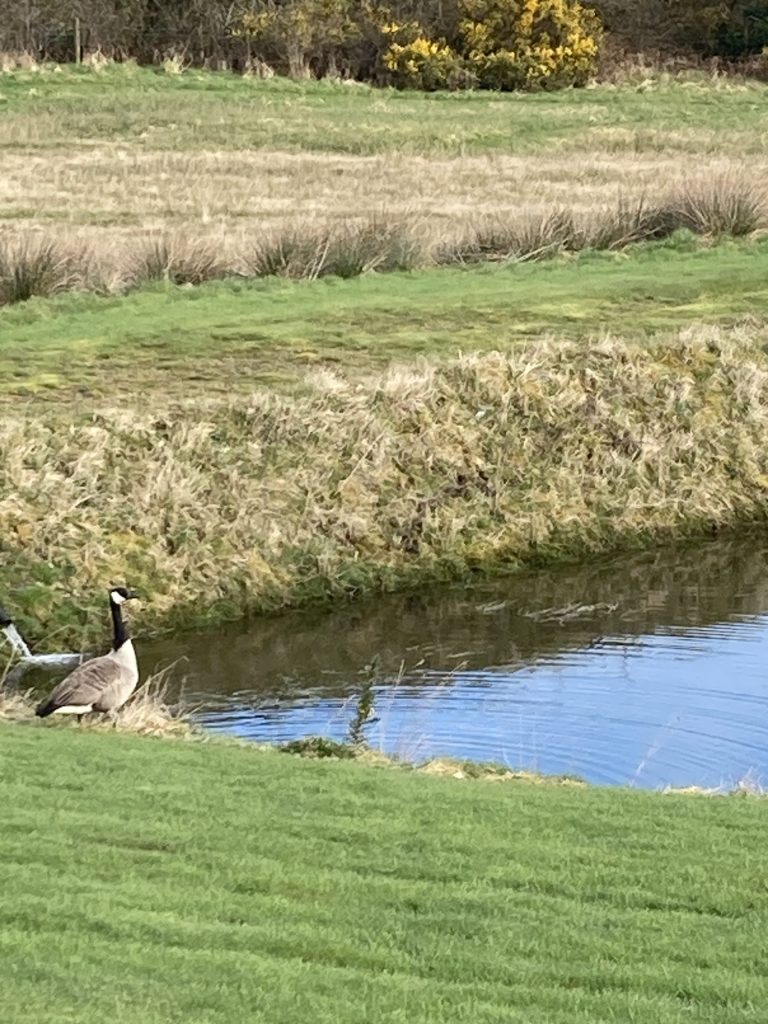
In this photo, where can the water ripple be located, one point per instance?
(657, 675)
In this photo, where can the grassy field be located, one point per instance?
(160, 881)
(200, 110)
(233, 336)
(248, 444)
(100, 159)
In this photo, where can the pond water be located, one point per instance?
(650, 670)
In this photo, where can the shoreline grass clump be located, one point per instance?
(176, 260)
(149, 712)
(431, 472)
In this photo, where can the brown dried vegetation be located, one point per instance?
(426, 473)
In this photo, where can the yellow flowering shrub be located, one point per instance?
(423, 64)
(519, 44)
(495, 44)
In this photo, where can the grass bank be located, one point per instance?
(213, 883)
(231, 337)
(431, 472)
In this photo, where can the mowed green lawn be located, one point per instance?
(153, 881)
(239, 335)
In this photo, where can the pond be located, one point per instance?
(649, 670)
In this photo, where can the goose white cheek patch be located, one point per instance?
(117, 598)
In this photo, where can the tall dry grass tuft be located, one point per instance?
(725, 205)
(151, 711)
(16, 706)
(427, 473)
(179, 260)
(288, 253)
(377, 244)
(346, 250)
(628, 223)
(530, 237)
(35, 267)
(22, 60)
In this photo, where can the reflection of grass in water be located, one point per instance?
(258, 886)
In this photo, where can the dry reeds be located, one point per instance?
(35, 267)
(728, 205)
(16, 705)
(177, 260)
(426, 473)
(149, 712)
(346, 251)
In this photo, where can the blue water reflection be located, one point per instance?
(651, 671)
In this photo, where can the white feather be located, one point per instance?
(74, 709)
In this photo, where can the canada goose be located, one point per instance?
(102, 684)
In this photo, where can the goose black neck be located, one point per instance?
(119, 632)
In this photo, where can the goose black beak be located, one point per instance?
(132, 594)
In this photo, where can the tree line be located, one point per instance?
(419, 43)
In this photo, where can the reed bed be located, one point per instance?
(732, 205)
(218, 508)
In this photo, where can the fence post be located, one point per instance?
(77, 40)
